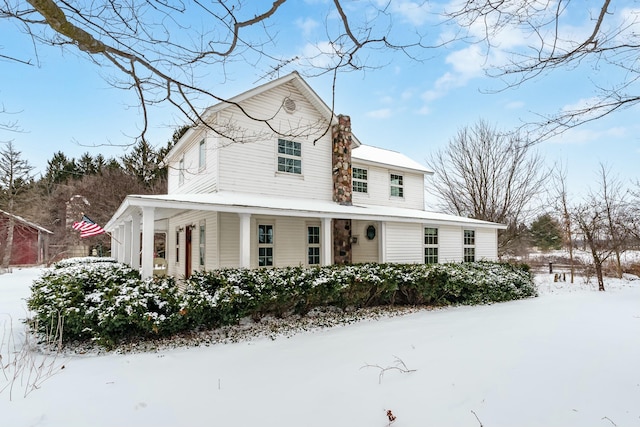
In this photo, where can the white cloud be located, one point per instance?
(307, 25)
(417, 13)
(319, 55)
(514, 105)
(582, 135)
(383, 113)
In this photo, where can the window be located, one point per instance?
(289, 157)
(265, 245)
(359, 180)
(430, 245)
(177, 245)
(202, 241)
(397, 186)
(181, 171)
(313, 245)
(202, 155)
(469, 244)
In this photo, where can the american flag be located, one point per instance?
(87, 227)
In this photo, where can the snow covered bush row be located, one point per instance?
(108, 302)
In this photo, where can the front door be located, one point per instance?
(187, 252)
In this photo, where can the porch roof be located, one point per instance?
(257, 204)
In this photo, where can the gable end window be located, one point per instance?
(202, 155)
(289, 157)
(181, 171)
(430, 245)
(397, 185)
(469, 246)
(359, 181)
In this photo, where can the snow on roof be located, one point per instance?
(28, 223)
(266, 205)
(370, 154)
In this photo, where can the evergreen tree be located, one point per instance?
(546, 233)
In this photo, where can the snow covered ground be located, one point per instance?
(570, 357)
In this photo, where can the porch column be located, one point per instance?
(127, 242)
(382, 237)
(135, 241)
(245, 240)
(114, 244)
(325, 242)
(148, 222)
(120, 234)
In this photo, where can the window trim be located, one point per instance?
(181, 171)
(288, 156)
(202, 244)
(364, 181)
(468, 245)
(434, 243)
(266, 246)
(314, 245)
(202, 154)
(177, 245)
(399, 186)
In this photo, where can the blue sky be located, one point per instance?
(64, 103)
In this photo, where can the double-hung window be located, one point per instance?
(397, 185)
(289, 157)
(469, 246)
(430, 245)
(202, 155)
(265, 245)
(202, 242)
(181, 171)
(313, 245)
(177, 245)
(359, 180)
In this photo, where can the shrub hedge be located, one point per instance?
(108, 302)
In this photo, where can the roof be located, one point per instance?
(370, 154)
(28, 223)
(265, 205)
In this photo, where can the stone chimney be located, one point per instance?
(342, 188)
(341, 160)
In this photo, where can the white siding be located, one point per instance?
(229, 243)
(211, 230)
(365, 250)
(404, 242)
(486, 244)
(196, 179)
(449, 243)
(379, 188)
(252, 167)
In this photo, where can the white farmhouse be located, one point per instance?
(299, 189)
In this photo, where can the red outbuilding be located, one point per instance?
(30, 241)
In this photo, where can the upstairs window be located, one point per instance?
(359, 180)
(469, 245)
(397, 185)
(265, 245)
(202, 155)
(289, 157)
(430, 245)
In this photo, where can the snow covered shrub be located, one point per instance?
(82, 260)
(104, 301)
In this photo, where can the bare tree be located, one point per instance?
(561, 197)
(562, 34)
(488, 175)
(602, 222)
(613, 199)
(15, 177)
(168, 51)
